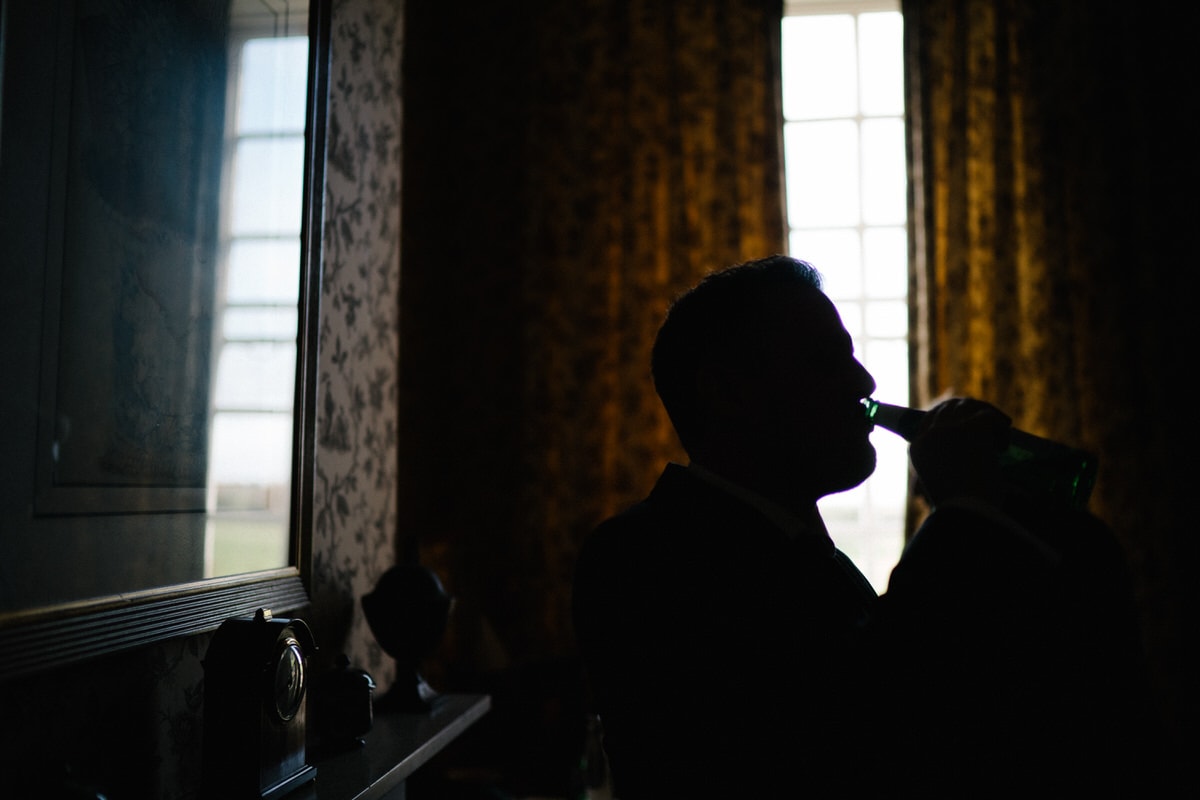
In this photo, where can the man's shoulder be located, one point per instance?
(980, 537)
(680, 504)
(652, 516)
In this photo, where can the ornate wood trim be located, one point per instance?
(65, 635)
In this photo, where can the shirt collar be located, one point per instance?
(792, 526)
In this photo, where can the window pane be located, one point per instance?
(835, 254)
(885, 259)
(891, 464)
(278, 165)
(844, 507)
(843, 282)
(242, 545)
(880, 39)
(256, 375)
(264, 271)
(251, 448)
(822, 173)
(887, 319)
(884, 171)
(260, 323)
(888, 362)
(818, 58)
(272, 93)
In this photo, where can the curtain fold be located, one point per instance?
(1052, 194)
(655, 158)
(994, 278)
(617, 151)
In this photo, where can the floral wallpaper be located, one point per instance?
(355, 487)
(140, 732)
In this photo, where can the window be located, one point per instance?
(846, 178)
(255, 336)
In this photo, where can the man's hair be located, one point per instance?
(721, 319)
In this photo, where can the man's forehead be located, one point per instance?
(804, 309)
(803, 324)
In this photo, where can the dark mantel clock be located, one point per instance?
(255, 689)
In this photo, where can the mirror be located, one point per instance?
(161, 165)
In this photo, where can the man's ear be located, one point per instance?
(721, 391)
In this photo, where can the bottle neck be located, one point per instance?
(900, 420)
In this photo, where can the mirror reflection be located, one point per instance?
(155, 368)
(249, 470)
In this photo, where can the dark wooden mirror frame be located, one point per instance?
(40, 639)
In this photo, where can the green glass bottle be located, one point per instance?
(1036, 465)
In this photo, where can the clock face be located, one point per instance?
(288, 688)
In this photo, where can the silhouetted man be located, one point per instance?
(733, 651)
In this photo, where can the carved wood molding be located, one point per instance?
(123, 623)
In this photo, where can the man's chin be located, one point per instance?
(867, 470)
(850, 474)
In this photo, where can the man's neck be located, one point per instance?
(803, 512)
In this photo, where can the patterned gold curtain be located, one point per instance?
(996, 299)
(657, 159)
(618, 151)
(1053, 155)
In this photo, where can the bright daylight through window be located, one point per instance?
(250, 461)
(843, 104)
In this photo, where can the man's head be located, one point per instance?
(759, 378)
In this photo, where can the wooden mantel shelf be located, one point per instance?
(395, 747)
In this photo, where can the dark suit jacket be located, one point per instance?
(723, 654)
(1014, 656)
(729, 660)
